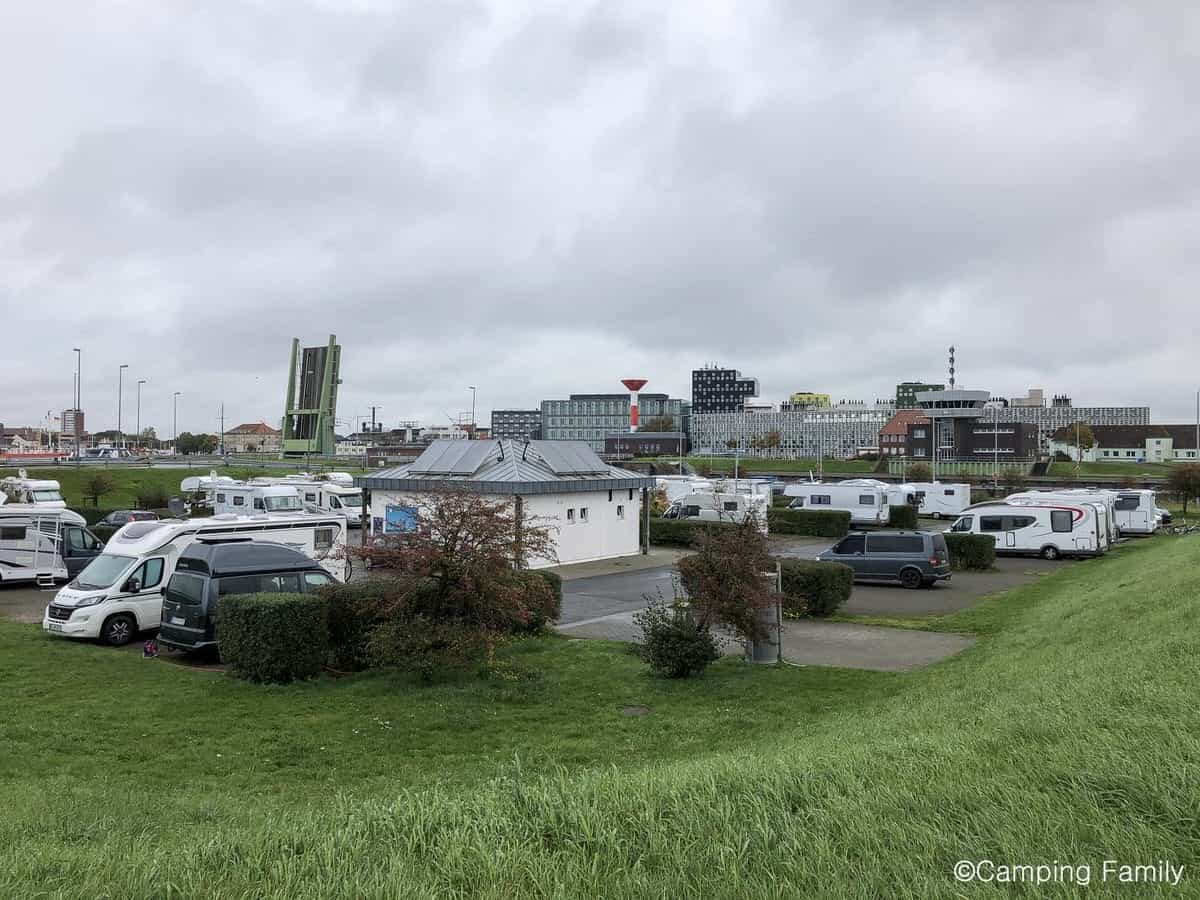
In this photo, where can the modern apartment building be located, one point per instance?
(517, 424)
(716, 390)
(592, 417)
(842, 431)
(906, 392)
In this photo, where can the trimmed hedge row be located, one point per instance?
(678, 532)
(812, 588)
(971, 551)
(833, 523)
(902, 515)
(273, 637)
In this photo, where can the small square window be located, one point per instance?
(570, 515)
(583, 514)
(620, 511)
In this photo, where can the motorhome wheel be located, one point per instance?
(1049, 553)
(119, 630)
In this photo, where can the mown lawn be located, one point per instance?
(1070, 733)
(724, 464)
(1067, 469)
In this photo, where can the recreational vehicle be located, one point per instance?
(1050, 529)
(711, 506)
(678, 486)
(939, 499)
(33, 491)
(241, 499)
(206, 485)
(1103, 501)
(43, 545)
(866, 503)
(334, 493)
(120, 592)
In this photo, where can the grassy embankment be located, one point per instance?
(1070, 732)
(724, 465)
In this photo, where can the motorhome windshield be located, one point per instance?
(103, 571)
(352, 500)
(281, 504)
(41, 496)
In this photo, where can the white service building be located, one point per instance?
(592, 509)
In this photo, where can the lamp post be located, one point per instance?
(175, 423)
(138, 427)
(471, 388)
(120, 394)
(78, 394)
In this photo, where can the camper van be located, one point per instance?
(867, 504)
(33, 491)
(43, 545)
(678, 486)
(1136, 512)
(1103, 501)
(206, 485)
(334, 493)
(120, 592)
(1049, 529)
(241, 499)
(939, 499)
(710, 506)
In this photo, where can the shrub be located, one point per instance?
(151, 497)
(813, 588)
(92, 514)
(971, 551)
(902, 515)
(355, 609)
(833, 523)
(97, 485)
(273, 637)
(672, 643)
(545, 608)
(780, 501)
(918, 472)
(678, 532)
(423, 644)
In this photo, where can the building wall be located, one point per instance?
(1048, 419)
(906, 392)
(592, 417)
(645, 443)
(721, 390)
(242, 443)
(974, 439)
(604, 534)
(839, 431)
(517, 424)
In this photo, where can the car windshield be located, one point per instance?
(282, 503)
(45, 496)
(103, 571)
(354, 500)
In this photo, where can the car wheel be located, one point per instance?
(911, 579)
(1049, 553)
(119, 630)
(937, 515)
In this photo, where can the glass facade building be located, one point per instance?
(591, 417)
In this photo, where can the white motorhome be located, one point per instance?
(241, 499)
(1136, 512)
(43, 545)
(333, 493)
(33, 491)
(206, 485)
(1050, 529)
(939, 499)
(714, 506)
(676, 486)
(1103, 501)
(120, 592)
(868, 504)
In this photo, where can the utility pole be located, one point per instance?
(472, 389)
(175, 424)
(120, 392)
(138, 426)
(222, 445)
(995, 449)
(1078, 451)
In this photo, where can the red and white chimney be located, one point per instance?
(634, 385)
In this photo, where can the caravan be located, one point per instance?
(1103, 501)
(32, 491)
(334, 493)
(1049, 529)
(43, 545)
(936, 499)
(1136, 512)
(716, 506)
(120, 592)
(868, 504)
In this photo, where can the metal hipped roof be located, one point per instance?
(507, 467)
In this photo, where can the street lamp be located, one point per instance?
(78, 393)
(138, 426)
(120, 393)
(175, 423)
(471, 388)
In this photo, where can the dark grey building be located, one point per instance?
(906, 393)
(517, 424)
(721, 390)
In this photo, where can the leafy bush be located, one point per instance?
(813, 588)
(151, 497)
(780, 501)
(918, 472)
(672, 643)
(97, 485)
(423, 644)
(902, 515)
(544, 607)
(273, 637)
(355, 609)
(971, 551)
(679, 532)
(833, 523)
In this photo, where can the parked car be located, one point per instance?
(119, 517)
(913, 558)
(207, 571)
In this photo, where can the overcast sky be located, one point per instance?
(540, 199)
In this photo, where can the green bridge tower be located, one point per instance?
(313, 380)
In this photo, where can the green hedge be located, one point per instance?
(812, 588)
(354, 610)
(273, 637)
(542, 616)
(781, 501)
(833, 523)
(902, 515)
(971, 551)
(678, 532)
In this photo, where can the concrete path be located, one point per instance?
(655, 559)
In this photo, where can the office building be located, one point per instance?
(842, 431)
(631, 444)
(906, 392)
(592, 417)
(73, 426)
(517, 424)
(716, 390)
